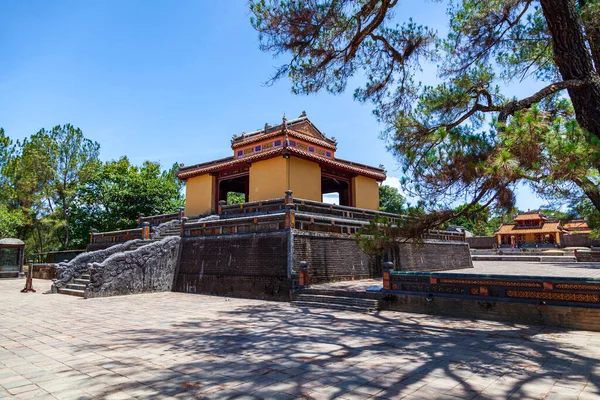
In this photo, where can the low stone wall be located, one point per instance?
(333, 257)
(150, 268)
(578, 240)
(587, 256)
(253, 265)
(482, 242)
(430, 255)
(556, 316)
(44, 271)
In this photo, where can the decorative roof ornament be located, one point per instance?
(286, 141)
(303, 114)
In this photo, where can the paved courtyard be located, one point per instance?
(173, 345)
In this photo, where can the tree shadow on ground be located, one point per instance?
(277, 351)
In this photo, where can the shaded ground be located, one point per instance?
(191, 346)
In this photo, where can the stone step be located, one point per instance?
(332, 306)
(71, 292)
(348, 301)
(76, 286)
(80, 281)
(84, 277)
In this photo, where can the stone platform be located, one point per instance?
(142, 346)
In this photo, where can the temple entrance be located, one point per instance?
(233, 190)
(331, 184)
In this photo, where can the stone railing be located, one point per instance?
(302, 205)
(243, 224)
(587, 256)
(154, 220)
(516, 288)
(120, 236)
(251, 208)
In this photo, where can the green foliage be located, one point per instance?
(116, 192)
(54, 189)
(391, 200)
(236, 198)
(475, 221)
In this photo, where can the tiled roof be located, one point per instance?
(291, 133)
(359, 169)
(529, 216)
(577, 225)
(268, 129)
(513, 229)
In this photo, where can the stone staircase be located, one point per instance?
(336, 302)
(77, 286)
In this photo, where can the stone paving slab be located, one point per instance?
(182, 346)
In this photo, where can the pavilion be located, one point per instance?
(530, 228)
(294, 155)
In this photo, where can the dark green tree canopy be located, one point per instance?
(441, 132)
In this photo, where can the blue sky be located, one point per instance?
(169, 81)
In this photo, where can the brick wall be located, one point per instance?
(333, 257)
(430, 256)
(560, 316)
(482, 242)
(245, 265)
(587, 256)
(578, 240)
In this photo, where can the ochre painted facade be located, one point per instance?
(294, 156)
(304, 179)
(365, 193)
(199, 195)
(268, 179)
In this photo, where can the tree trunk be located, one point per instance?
(574, 61)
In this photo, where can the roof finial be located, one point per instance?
(303, 114)
(284, 120)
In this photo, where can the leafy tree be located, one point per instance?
(45, 174)
(116, 193)
(437, 131)
(476, 221)
(390, 199)
(236, 198)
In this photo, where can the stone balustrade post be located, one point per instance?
(140, 216)
(303, 274)
(289, 198)
(92, 233)
(181, 213)
(184, 220)
(145, 230)
(221, 204)
(388, 267)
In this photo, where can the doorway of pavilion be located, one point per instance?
(335, 183)
(233, 186)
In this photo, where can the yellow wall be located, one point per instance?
(305, 179)
(268, 179)
(199, 195)
(365, 193)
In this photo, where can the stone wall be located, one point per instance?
(482, 242)
(578, 240)
(587, 256)
(430, 255)
(77, 266)
(559, 316)
(333, 257)
(245, 265)
(150, 268)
